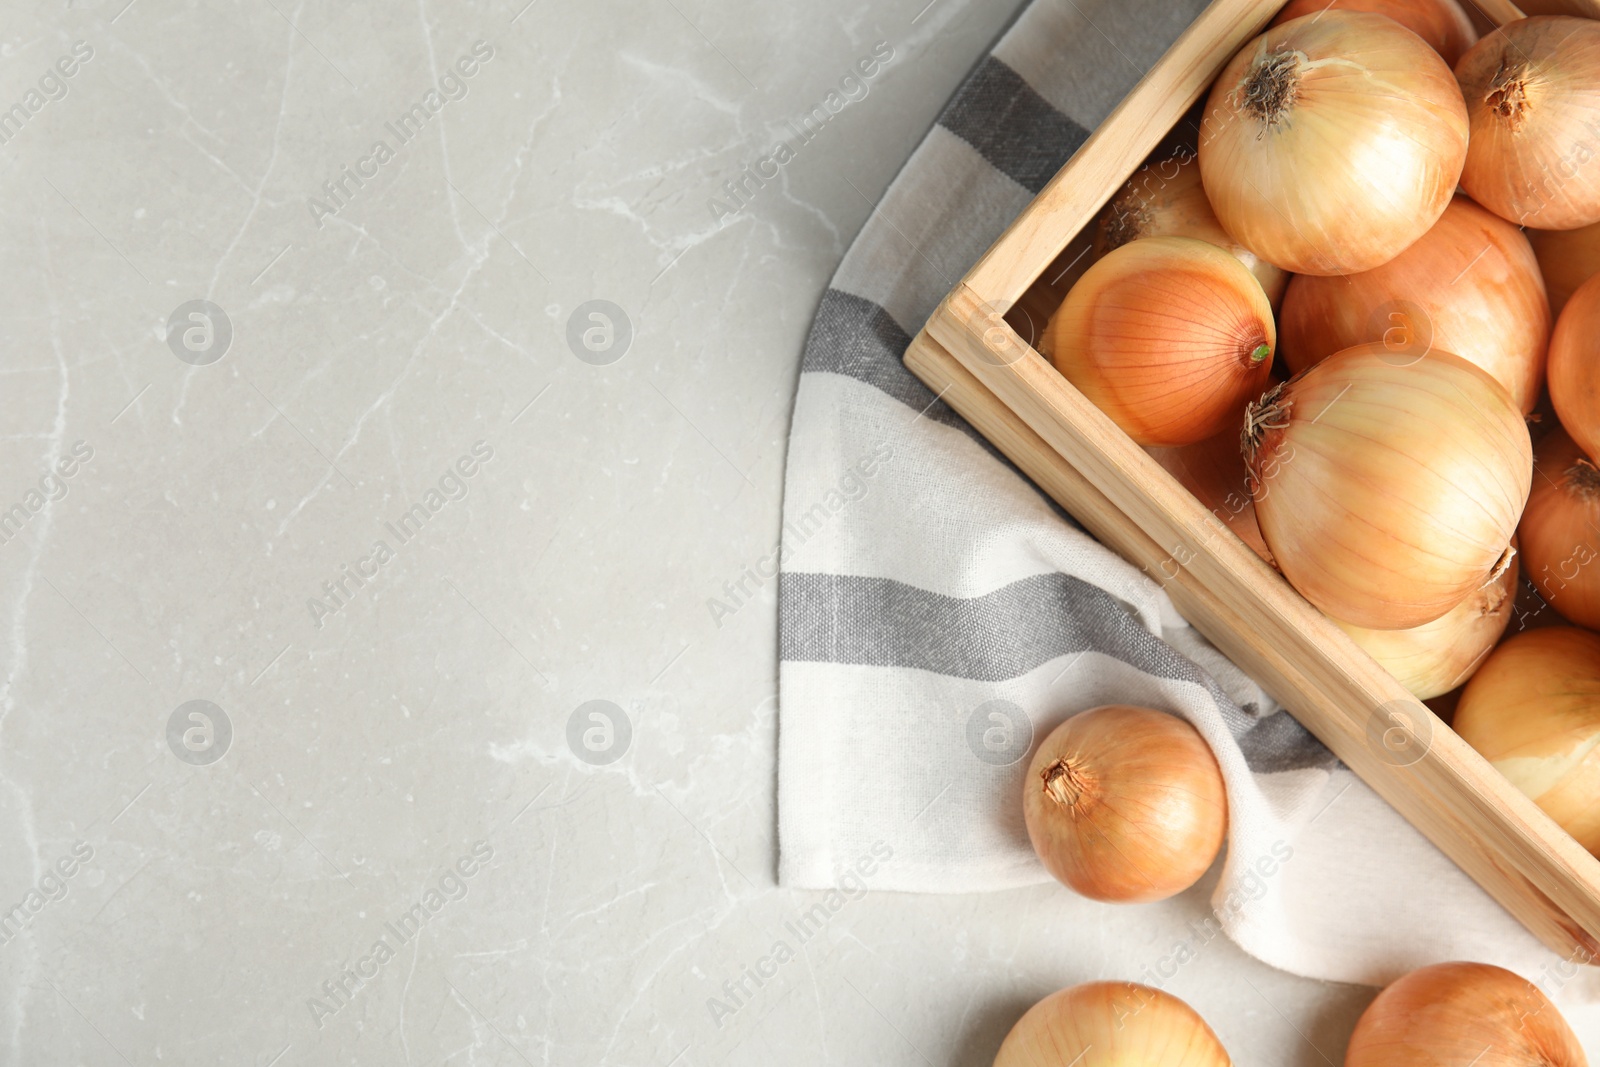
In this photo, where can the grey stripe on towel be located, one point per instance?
(828, 618)
(1011, 126)
(857, 338)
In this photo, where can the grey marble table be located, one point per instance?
(359, 698)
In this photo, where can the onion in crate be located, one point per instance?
(1471, 285)
(1567, 259)
(1533, 710)
(1332, 142)
(1169, 336)
(1166, 199)
(1532, 89)
(1388, 486)
(1125, 804)
(1574, 367)
(1111, 1024)
(1432, 659)
(1463, 1015)
(1215, 473)
(1442, 23)
(1560, 530)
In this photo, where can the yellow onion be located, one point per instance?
(1533, 710)
(1332, 142)
(1169, 336)
(1434, 658)
(1214, 471)
(1166, 199)
(1567, 259)
(1560, 530)
(1442, 23)
(1470, 285)
(1463, 1015)
(1388, 488)
(1574, 366)
(1533, 97)
(1111, 1024)
(1125, 804)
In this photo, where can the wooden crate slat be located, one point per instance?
(1116, 148)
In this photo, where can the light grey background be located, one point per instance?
(376, 745)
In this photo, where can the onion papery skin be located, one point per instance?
(1560, 530)
(1432, 659)
(1574, 367)
(1470, 285)
(1167, 199)
(1388, 490)
(1169, 336)
(1332, 142)
(1125, 804)
(1567, 259)
(1533, 710)
(1111, 1024)
(1442, 23)
(1463, 1015)
(1214, 471)
(1532, 89)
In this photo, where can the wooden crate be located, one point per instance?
(972, 356)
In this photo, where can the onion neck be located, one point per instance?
(1508, 93)
(1127, 221)
(1583, 479)
(1269, 413)
(1494, 598)
(1270, 89)
(1500, 567)
(1066, 783)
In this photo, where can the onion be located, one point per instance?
(1167, 335)
(1463, 1015)
(1533, 710)
(1111, 1024)
(1434, 658)
(1388, 490)
(1560, 530)
(1567, 259)
(1442, 23)
(1533, 97)
(1125, 804)
(1470, 285)
(1574, 366)
(1333, 142)
(1215, 473)
(1167, 200)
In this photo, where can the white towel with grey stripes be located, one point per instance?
(937, 614)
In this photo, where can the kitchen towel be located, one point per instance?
(938, 615)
